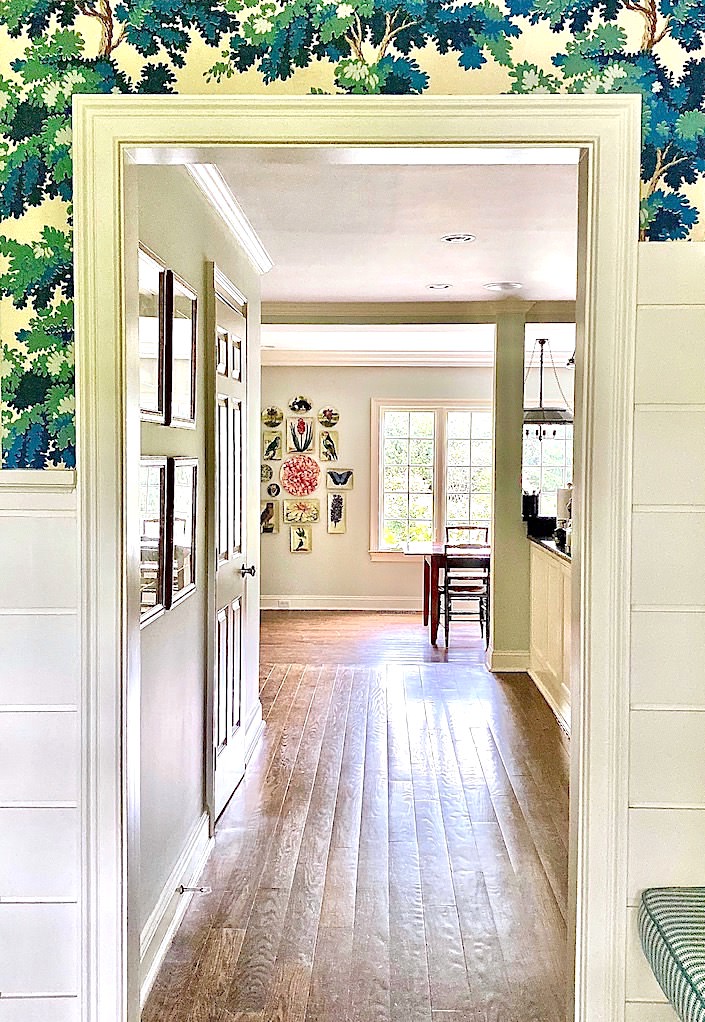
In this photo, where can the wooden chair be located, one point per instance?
(467, 535)
(466, 581)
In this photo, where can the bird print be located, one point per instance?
(266, 518)
(330, 451)
(272, 448)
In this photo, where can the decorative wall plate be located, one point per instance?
(274, 489)
(271, 446)
(266, 472)
(300, 539)
(299, 475)
(337, 506)
(300, 404)
(328, 417)
(269, 517)
(300, 432)
(272, 416)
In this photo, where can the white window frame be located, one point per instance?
(440, 407)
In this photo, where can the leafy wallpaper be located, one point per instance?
(55, 48)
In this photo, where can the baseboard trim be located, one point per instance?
(398, 603)
(558, 711)
(165, 918)
(253, 732)
(508, 661)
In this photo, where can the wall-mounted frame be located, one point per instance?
(181, 305)
(151, 273)
(153, 521)
(182, 490)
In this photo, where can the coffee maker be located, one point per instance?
(564, 517)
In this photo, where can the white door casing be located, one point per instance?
(106, 130)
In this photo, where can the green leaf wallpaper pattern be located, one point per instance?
(60, 47)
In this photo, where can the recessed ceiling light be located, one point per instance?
(503, 285)
(458, 238)
(438, 287)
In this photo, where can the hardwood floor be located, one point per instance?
(397, 851)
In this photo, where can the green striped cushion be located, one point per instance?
(672, 931)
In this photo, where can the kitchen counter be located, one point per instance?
(551, 546)
(551, 625)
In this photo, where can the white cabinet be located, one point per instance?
(549, 659)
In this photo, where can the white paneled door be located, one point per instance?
(233, 565)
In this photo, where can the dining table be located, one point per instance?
(434, 563)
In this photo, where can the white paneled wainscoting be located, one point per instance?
(667, 694)
(40, 750)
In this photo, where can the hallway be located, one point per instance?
(397, 851)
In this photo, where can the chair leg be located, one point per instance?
(446, 614)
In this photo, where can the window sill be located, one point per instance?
(393, 555)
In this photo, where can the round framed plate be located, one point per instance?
(299, 475)
(329, 417)
(300, 404)
(265, 473)
(272, 416)
(273, 490)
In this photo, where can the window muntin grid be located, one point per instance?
(547, 464)
(469, 468)
(435, 469)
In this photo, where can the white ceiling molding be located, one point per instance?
(413, 359)
(217, 191)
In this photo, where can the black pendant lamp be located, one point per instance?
(540, 421)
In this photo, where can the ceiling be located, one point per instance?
(365, 225)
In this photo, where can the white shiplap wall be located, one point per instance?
(667, 686)
(40, 750)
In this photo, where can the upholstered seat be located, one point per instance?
(672, 931)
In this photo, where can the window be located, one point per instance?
(434, 465)
(547, 465)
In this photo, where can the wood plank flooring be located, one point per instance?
(397, 851)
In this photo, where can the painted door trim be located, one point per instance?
(106, 129)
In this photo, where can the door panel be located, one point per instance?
(231, 553)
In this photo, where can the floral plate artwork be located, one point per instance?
(299, 475)
(300, 404)
(272, 416)
(328, 417)
(301, 510)
(299, 434)
(265, 473)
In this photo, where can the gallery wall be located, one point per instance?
(338, 572)
(55, 49)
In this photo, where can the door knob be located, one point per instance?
(248, 571)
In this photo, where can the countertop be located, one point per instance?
(551, 546)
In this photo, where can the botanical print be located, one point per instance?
(56, 48)
(328, 445)
(336, 512)
(329, 417)
(272, 416)
(265, 473)
(300, 404)
(272, 446)
(301, 510)
(300, 539)
(299, 434)
(339, 479)
(299, 475)
(269, 517)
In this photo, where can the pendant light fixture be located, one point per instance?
(541, 421)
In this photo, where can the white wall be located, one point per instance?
(339, 572)
(180, 227)
(667, 694)
(40, 880)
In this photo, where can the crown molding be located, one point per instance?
(216, 189)
(409, 359)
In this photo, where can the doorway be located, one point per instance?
(607, 129)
